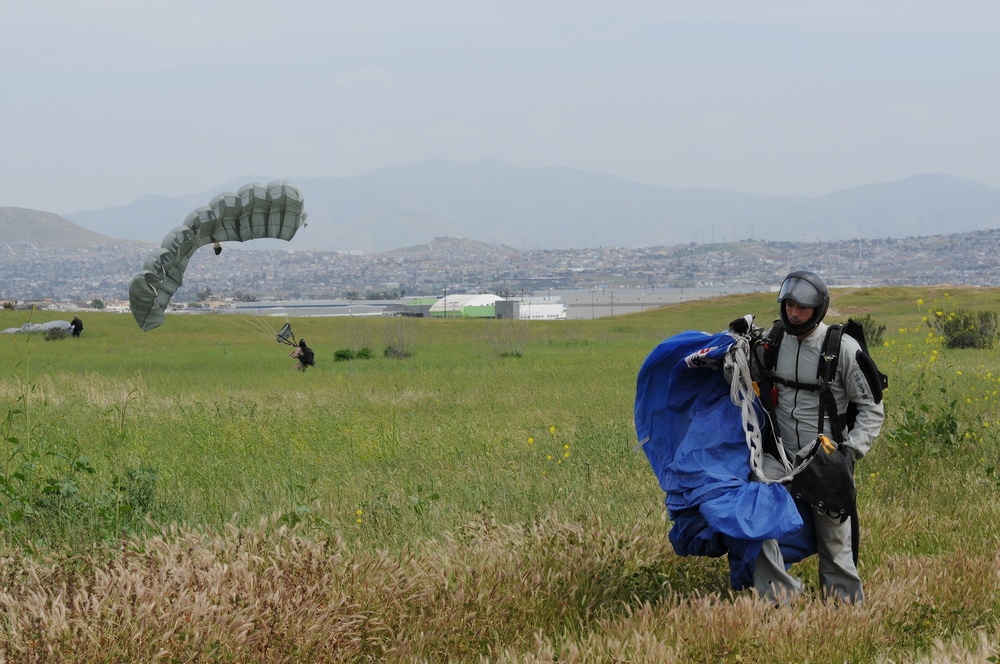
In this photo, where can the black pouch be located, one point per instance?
(828, 483)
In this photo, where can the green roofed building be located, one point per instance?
(465, 305)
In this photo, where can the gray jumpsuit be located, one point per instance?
(798, 414)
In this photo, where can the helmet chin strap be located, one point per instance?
(797, 329)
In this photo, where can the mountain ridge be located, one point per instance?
(555, 207)
(46, 228)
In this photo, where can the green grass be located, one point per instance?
(420, 445)
(496, 501)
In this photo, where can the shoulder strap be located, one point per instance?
(830, 353)
(771, 344)
(829, 357)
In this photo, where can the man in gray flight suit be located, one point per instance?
(804, 300)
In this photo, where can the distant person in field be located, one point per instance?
(76, 325)
(305, 356)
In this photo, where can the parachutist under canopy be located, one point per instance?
(253, 212)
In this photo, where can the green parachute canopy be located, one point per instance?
(255, 211)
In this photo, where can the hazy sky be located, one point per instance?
(103, 101)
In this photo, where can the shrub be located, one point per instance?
(56, 333)
(507, 336)
(345, 354)
(398, 333)
(136, 489)
(874, 331)
(962, 328)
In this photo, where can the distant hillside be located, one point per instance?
(45, 228)
(440, 249)
(559, 208)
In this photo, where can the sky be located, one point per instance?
(105, 101)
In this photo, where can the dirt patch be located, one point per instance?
(833, 311)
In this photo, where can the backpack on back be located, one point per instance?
(308, 356)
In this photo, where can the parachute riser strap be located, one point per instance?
(763, 357)
(743, 394)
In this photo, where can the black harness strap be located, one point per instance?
(826, 372)
(828, 366)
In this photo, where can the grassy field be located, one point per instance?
(186, 494)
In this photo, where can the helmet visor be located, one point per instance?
(801, 292)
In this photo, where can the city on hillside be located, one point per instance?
(100, 276)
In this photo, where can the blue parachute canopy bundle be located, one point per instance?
(692, 434)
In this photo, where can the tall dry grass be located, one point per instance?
(545, 592)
